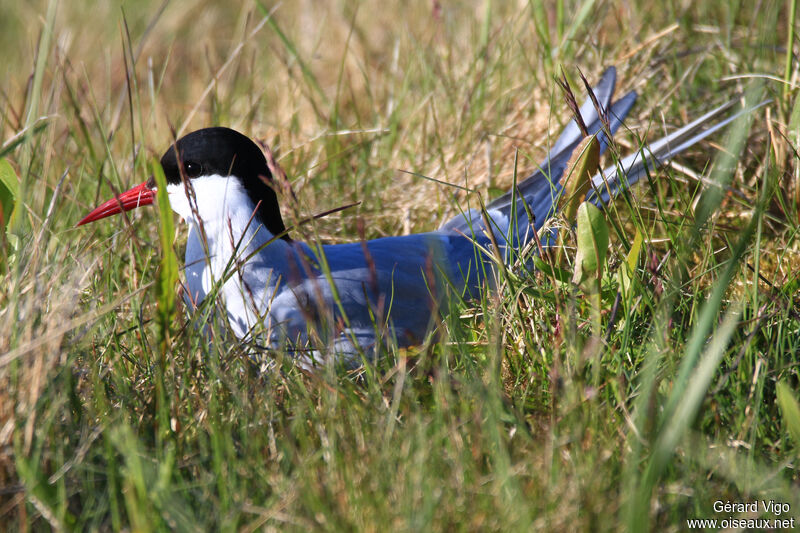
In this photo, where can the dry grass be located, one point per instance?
(555, 430)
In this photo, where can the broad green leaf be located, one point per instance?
(592, 243)
(554, 272)
(625, 272)
(794, 123)
(581, 167)
(632, 259)
(9, 183)
(790, 409)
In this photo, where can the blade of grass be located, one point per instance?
(790, 408)
(32, 115)
(688, 402)
(787, 68)
(167, 277)
(307, 73)
(166, 309)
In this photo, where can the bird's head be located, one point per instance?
(210, 173)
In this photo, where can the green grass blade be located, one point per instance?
(168, 267)
(790, 409)
(9, 184)
(677, 426)
(308, 75)
(32, 115)
(726, 161)
(790, 36)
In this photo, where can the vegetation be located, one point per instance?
(544, 405)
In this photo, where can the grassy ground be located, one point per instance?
(526, 412)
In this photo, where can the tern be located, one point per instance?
(358, 297)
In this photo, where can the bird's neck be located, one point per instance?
(228, 244)
(233, 237)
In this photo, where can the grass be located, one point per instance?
(520, 414)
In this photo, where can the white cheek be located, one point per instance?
(178, 201)
(215, 198)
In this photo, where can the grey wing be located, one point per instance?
(305, 321)
(386, 297)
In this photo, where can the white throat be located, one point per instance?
(216, 199)
(222, 226)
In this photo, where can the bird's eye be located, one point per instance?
(192, 169)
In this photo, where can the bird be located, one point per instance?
(360, 297)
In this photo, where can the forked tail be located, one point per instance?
(526, 207)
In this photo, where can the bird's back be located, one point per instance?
(382, 288)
